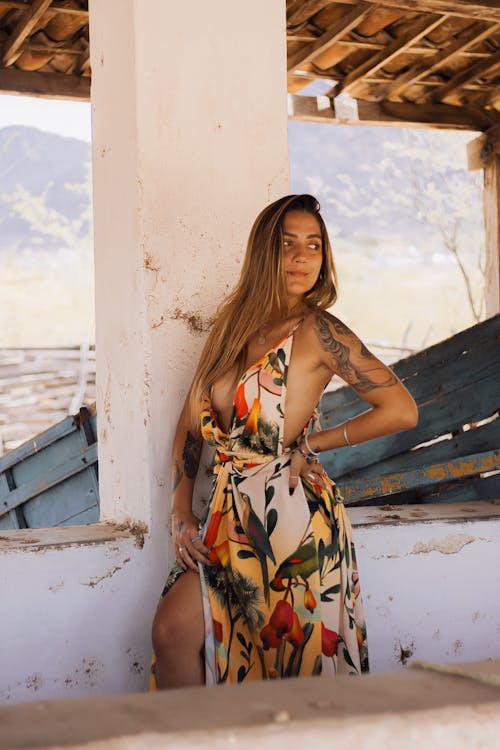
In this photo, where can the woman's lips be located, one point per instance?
(299, 274)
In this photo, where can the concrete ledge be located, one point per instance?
(410, 709)
(393, 515)
(60, 537)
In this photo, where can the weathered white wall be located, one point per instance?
(430, 585)
(75, 620)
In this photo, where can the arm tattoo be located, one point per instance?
(178, 474)
(360, 380)
(191, 455)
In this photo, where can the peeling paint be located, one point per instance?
(448, 545)
(94, 581)
(194, 321)
(136, 528)
(403, 653)
(478, 616)
(57, 586)
(34, 681)
(150, 263)
(107, 399)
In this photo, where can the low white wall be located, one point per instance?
(76, 619)
(429, 579)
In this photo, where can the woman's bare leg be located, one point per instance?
(178, 634)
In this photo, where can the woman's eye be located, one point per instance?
(287, 243)
(315, 246)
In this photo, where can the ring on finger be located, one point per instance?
(181, 549)
(196, 538)
(293, 476)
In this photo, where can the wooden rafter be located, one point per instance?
(375, 46)
(481, 10)
(50, 85)
(491, 98)
(83, 62)
(22, 30)
(56, 6)
(416, 31)
(348, 22)
(466, 75)
(415, 73)
(400, 114)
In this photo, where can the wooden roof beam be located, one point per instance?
(47, 85)
(57, 6)
(416, 31)
(482, 149)
(464, 76)
(398, 114)
(23, 29)
(481, 10)
(491, 98)
(348, 22)
(456, 46)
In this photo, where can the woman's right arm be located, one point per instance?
(186, 455)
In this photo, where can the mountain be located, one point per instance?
(379, 187)
(44, 189)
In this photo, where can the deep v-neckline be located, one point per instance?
(262, 358)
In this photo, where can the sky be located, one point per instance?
(53, 115)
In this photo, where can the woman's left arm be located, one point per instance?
(393, 408)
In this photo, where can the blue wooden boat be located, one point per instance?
(52, 479)
(453, 455)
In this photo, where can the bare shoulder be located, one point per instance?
(347, 356)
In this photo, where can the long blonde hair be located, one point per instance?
(259, 294)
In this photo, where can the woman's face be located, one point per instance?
(302, 252)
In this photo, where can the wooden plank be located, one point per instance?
(395, 114)
(452, 410)
(47, 85)
(414, 33)
(482, 10)
(491, 198)
(473, 490)
(59, 6)
(491, 98)
(475, 440)
(51, 478)
(469, 73)
(456, 46)
(33, 446)
(388, 484)
(348, 22)
(32, 15)
(454, 383)
(64, 504)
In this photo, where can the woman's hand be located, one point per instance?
(188, 544)
(300, 466)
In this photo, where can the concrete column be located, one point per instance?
(189, 143)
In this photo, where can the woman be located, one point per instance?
(267, 585)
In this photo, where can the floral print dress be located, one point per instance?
(281, 597)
